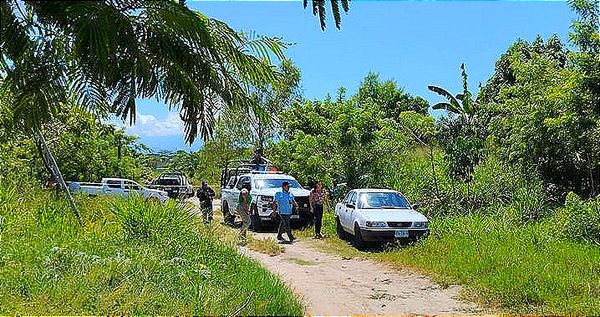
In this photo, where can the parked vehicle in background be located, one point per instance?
(174, 183)
(378, 215)
(262, 182)
(119, 187)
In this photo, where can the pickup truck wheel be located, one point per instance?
(339, 229)
(255, 223)
(358, 241)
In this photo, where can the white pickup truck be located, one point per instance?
(378, 215)
(263, 186)
(119, 187)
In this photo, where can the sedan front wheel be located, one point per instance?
(358, 241)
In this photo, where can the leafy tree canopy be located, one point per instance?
(104, 54)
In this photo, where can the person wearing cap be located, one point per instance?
(283, 203)
(244, 203)
(205, 195)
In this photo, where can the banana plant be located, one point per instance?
(462, 104)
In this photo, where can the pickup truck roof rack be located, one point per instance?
(258, 164)
(267, 172)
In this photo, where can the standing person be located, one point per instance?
(244, 203)
(283, 202)
(317, 198)
(205, 195)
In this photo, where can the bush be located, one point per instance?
(145, 220)
(579, 219)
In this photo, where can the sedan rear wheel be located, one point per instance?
(339, 229)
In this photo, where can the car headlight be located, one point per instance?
(420, 224)
(376, 224)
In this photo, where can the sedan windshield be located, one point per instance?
(382, 200)
(274, 183)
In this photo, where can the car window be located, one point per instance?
(231, 182)
(132, 185)
(242, 181)
(275, 183)
(353, 198)
(113, 183)
(386, 200)
(347, 199)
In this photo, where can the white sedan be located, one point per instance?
(378, 215)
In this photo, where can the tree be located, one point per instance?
(350, 141)
(124, 50)
(256, 125)
(544, 119)
(102, 55)
(392, 99)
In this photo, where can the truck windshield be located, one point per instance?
(274, 183)
(386, 200)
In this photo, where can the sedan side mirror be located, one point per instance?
(350, 206)
(416, 206)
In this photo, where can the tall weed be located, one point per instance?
(145, 220)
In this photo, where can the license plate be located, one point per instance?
(295, 217)
(401, 233)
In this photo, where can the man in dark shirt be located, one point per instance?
(205, 195)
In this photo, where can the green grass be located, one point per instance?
(129, 258)
(523, 269)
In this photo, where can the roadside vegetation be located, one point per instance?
(519, 255)
(508, 178)
(131, 257)
(509, 175)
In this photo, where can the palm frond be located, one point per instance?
(318, 9)
(345, 5)
(14, 40)
(336, 13)
(322, 13)
(103, 55)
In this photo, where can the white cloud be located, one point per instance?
(149, 125)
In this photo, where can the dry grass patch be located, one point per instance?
(267, 246)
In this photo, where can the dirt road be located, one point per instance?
(330, 285)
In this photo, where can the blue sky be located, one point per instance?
(414, 43)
